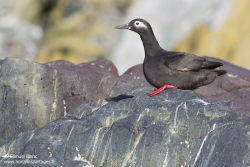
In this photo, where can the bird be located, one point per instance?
(168, 69)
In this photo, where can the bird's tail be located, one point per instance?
(220, 72)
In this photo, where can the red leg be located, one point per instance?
(156, 91)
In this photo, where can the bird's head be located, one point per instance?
(136, 25)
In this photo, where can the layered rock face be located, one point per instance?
(87, 115)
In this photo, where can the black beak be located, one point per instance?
(122, 27)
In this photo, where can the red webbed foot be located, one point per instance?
(156, 91)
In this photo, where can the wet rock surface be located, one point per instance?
(174, 128)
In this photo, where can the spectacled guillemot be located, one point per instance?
(166, 69)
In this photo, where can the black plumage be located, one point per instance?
(177, 69)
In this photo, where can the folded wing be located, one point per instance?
(182, 61)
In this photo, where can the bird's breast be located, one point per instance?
(155, 72)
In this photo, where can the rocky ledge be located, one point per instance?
(86, 115)
(176, 128)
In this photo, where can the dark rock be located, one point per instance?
(132, 78)
(85, 82)
(174, 128)
(33, 94)
(95, 80)
(135, 74)
(30, 96)
(236, 99)
(231, 89)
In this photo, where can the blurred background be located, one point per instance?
(83, 30)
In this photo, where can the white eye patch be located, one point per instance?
(139, 24)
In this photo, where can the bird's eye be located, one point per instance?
(137, 23)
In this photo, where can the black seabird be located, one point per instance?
(166, 69)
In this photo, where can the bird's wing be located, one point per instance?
(182, 61)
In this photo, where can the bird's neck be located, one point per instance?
(151, 45)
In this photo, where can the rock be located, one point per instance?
(33, 94)
(132, 78)
(87, 82)
(231, 89)
(174, 128)
(30, 96)
(27, 102)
